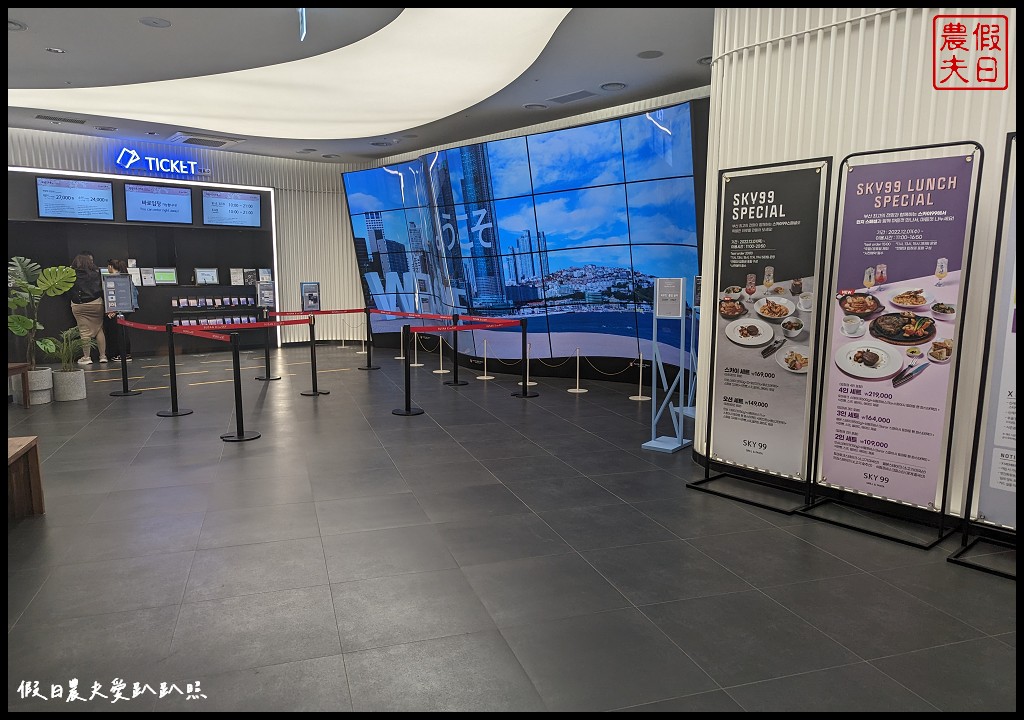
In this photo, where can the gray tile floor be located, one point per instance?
(496, 553)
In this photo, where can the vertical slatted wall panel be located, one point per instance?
(794, 83)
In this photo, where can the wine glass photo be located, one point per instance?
(941, 270)
(869, 278)
(881, 274)
(751, 287)
(769, 278)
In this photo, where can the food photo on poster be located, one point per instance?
(893, 329)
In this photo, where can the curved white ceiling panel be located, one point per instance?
(426, 65)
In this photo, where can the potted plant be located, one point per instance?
(27, 285)
(69, 381)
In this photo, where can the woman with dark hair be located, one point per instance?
(116, 266)
(87, 305)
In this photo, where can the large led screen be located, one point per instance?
(567, 230)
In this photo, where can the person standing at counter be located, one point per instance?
(110, 327)
(87, 305)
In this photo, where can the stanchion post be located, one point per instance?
(175, 411)
(640, 397)
(369, 344)
(267, 376)
(455, 354)
(240, 434)
(485, 376)
(312, 360)
(526, 392)
(577, 389)
(124, 391)
(408, 409)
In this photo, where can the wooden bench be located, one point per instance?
(24, 479)
(20, 369)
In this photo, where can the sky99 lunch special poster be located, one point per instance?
(893, 327)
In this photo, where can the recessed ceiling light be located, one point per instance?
(382, 143)
(706, 60)
(58, 51)
(535, 106)
(155, 22)
(106, 128)
(613, 86)
(55, 122)
(150, 132)
(331, 155)
(15, 26)
(650, 54)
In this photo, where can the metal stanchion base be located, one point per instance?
(531, 383)
(233, 437)
(484, 377)
(268, 379)
(416, 365)
(174, 413)
(577, 390)
(440, 372)
(360, 352)
(369, 367)
(410, 411)
(314, 393)
(525, 394)
(453, 382)
(639, 397)
(399, 357)
(122, 393)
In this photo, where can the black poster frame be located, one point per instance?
(823, 495)
(985, 532)
(768, 481)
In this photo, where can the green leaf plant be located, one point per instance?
(27, 284)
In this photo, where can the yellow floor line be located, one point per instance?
(298, 363)
(338, 370)
(214, 361)
(156, 366)
(190, 372)
(113, 369)
(138, 377)
(210, 382)
(162, 387)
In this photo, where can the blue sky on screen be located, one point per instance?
(583, 218)
(510, 172)
(576, 158)
(656, 144)
(662, 211)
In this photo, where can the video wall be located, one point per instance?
(567, 229)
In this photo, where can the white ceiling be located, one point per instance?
(411, 78)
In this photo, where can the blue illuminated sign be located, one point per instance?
(130, 159)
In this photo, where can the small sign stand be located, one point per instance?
(669, 303)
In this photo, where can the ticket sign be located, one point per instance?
(668, 298)
(117, 293)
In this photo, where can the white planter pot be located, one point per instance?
(40, 386)
(68, 385)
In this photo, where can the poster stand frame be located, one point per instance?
(898, 509)
(677, 441)
(1000, 537)
(762, 479)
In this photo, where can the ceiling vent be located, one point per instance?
(572, 97)
(60, 119)
(210, 141)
